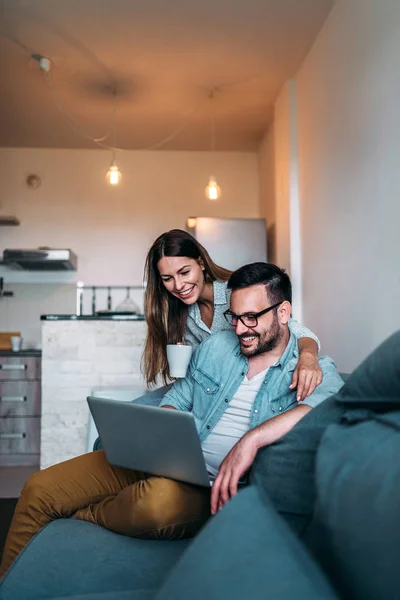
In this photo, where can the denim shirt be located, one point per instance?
(216, 371)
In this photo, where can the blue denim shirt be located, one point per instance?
(216, 371)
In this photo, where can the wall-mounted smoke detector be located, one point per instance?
(33, 181)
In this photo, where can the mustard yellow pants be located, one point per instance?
(122, 500)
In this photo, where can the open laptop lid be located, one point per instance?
(154, 440)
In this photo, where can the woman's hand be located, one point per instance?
(307, 374)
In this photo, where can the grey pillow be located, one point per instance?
(355, 532)
(286, 469)
(375, 384)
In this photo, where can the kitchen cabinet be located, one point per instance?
(20, 408)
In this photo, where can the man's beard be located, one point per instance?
(267, 341)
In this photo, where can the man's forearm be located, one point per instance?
(273, 429)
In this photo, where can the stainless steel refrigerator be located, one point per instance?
(231, 243)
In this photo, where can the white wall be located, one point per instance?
(278, 163)
(266, 172)
(111, 229)
(349, 128)
(282, 178)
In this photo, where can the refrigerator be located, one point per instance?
(231, 243)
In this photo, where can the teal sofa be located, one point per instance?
(319, 520)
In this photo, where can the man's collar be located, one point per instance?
(290, 351)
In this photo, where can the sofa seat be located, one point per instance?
(71, 557)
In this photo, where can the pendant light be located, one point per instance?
(212, 191)
(114, 175)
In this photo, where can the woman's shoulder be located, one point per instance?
(222, 293)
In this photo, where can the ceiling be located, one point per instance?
(150, 67)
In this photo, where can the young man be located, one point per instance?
(238, 390)
(238, 382)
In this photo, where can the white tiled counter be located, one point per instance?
(77, 356)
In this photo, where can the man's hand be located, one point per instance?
(307, 375)
(242, 455)
(234, 465)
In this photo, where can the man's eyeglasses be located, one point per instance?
(249, 319)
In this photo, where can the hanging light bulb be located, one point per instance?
(212, 191)
(114, 174)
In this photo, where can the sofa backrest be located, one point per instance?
(355, 533)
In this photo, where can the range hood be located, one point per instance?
(41, 259)
(7, 221)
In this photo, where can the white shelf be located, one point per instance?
(20, 276)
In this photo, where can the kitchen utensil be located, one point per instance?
(127, 305)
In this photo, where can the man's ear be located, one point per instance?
(284, 312)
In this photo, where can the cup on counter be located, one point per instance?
(16, 343)
(178, 356)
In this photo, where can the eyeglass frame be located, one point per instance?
(253, 315)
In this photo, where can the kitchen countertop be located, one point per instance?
(104, 317)
(21, 353)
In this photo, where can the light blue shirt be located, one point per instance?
(197, 331)
(217, 369)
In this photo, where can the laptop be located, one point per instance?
(158, 441)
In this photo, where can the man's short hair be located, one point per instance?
(276, 280)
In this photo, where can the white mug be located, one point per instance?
(178, 356)
(16, 343)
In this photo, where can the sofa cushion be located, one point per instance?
(246, 551)
(375, 384)
(127, 595)
(285, 470)
(153, 397)
(355, 533)
(70, 557)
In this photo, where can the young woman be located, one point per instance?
(185, 299)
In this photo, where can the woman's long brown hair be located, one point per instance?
(166, 315)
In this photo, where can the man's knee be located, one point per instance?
(35, 488)
(162, 506)
(156, 503)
